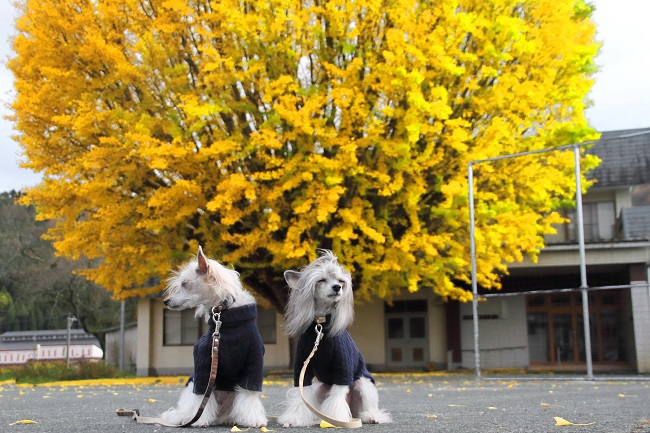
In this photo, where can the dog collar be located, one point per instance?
(225, 304)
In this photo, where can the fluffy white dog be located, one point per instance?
(337, 381)
(203, 284)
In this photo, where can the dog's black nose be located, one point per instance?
(336, 287)
(166, 301)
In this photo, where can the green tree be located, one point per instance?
(37, 289)
(265, 129)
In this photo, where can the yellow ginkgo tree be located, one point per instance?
(264, 130)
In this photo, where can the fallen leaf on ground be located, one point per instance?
(151, 400)
(235, 428)
(264, 429)
(325, 424)
(24, 421)
(562, 422)
(544, 404)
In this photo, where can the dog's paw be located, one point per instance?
(376, 417)
(294, 424)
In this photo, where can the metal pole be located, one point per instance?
(583, 264)
(121, 360)
(472, 243)
(71, 320)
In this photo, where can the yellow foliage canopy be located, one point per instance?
(266, 129)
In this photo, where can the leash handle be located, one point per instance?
(354, 422)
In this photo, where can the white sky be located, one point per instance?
(621, 94)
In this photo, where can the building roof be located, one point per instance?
(625, 158)
(129, 325)
(636, 222)
(16, 340)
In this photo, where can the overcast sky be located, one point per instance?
(621, 94)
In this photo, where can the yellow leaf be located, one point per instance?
(235, 428)
(264, 429)
(562, 422)
(151, 400)
(325, 424)
(24, 421)
(621, 395)
(545, 405)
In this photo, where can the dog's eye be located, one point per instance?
(342, 283)
(322, 280)
(184, 283)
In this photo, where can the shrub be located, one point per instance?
(40, 372)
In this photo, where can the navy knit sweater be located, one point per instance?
(241, 353)
(336, 362)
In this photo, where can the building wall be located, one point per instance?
(143, 360)
(47, 353)
(112, 354)
(641, 319)
(503, 337)
(276, 356)
(369, 329)
(155, 359)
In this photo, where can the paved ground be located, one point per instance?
(418, 403)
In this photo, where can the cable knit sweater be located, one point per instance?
(336, 362)
(241, 353)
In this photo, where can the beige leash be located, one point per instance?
(354, 422)
(135, 413)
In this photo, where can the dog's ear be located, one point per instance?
(292, 278)
(203, 262)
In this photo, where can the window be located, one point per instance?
(266, 325)
(599, 224)
(417, 306)
(181, 328)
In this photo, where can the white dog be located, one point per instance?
(203, 284)
(342, 387)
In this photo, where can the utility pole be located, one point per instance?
(71, 320)
(121, 360)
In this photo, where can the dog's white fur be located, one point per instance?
(201, 284)
(325, 287)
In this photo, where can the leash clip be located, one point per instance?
(216, 318)
(319, 329)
